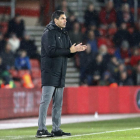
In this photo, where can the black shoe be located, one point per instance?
(43, 133)
(60, 133)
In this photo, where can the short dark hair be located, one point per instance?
(57, 14)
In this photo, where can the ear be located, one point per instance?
(55, 20)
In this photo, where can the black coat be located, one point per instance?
(16, 28)
(54, 52)
(91, 18)
(29, 46)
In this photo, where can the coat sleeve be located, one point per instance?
(49, 44)
(71, 54)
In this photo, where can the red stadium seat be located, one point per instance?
(3, 27)
(102, 32)
(131, 30)
(105, 41)
(112, 31)
(111, 50)
(22, 72)
(37, 82)
(102, 41)
(14, 73)
(34, 63)
(35, 73)
(18, 84)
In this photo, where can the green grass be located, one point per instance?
(84, 128)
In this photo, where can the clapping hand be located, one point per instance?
(77, 48)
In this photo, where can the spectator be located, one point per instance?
(91, 16)
(29, 46)
(123, 54)
(119, 3)
(121, 34)
(85, 58)
(107, 79)
(113, 67)
(92, 41)
(135, 37)
(4, 74)
(111, 31)
(92, 27)
(64, 7)
(125, 16)
(2, 42)
(108, 14)
(104, 53)
(121, 68)
(136, 74)
(8, 57)
(135, 58)
(22, 62)
(96, 78)
(70, 22)
(95, 70)
(124, 80)
(16, 25)
(14, 42)
(76, 34)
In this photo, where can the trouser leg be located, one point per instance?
(57, 108)
(47, 92)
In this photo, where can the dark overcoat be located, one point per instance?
(54, 53)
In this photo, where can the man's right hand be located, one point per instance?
(77, 48)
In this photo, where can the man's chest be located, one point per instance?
(62, 40)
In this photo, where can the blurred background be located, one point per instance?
(110, 29)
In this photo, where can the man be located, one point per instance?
(56, 48)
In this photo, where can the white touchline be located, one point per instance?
(67, 137)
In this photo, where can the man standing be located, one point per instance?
(56, 48)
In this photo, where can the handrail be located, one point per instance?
(9, 4)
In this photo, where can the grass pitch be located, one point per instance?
(124, 129)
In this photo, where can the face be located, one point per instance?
(64, 3)
(23, 54)
(99, 58)
(138, 68)
(109, 5)
(17, 19)
(121, 67)
(125, 8)
(123, 26)
(114, 60)
(8, 47)
(27, 37)
(136, 52)
(61, 21)
(76, 26)
(124, 48)
(123, 75)
(91, 35)
(103, 49)
(91, 7)
(1, 37)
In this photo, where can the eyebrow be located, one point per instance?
(64, 17)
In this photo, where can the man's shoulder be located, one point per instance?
(48, 32)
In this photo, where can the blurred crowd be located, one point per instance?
(16, 49)
(113, 39)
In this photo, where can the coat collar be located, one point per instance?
(53, 26)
